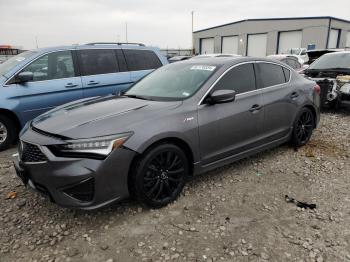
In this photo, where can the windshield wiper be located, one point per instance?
(137, 97)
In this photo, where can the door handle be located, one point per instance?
(255, 108)
(294, 95)
(92, 83)
(70, 85)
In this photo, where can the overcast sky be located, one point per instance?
(160, 23)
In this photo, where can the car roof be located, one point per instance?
(95, 46)
(281, 56)
(228, 61)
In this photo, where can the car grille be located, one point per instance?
(30, 153)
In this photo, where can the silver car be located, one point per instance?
(181, 120)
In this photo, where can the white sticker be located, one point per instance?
(20, 59)
(185, 94)
(203, 67)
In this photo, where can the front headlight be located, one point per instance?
(97, 146)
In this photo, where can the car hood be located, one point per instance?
(100, 116)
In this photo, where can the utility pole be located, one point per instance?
(36, 41)
(126, 32)
(192, 14)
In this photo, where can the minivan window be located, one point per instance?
(55, 65)
(271, 74)
(97, 61)
(141, 60)
(240, 78)
(14, 61)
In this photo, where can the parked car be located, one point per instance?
(332, 73)
(214, 55)
(36, 81)
(317, 53)
(301, 53)
(290, 60)
(183, 119)
(179, 58)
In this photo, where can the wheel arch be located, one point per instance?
(172, 140)
(313, 110)
(12, 116)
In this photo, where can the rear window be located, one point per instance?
(141, 60)
(97, 61)
(271, 74)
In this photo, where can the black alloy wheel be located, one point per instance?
(303, 127)
(160, 175)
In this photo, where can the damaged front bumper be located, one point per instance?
(334, 91)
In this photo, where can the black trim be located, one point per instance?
(76, 63)
(275, 19)
(328, 33)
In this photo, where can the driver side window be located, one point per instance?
(240, 79)
(52, 66)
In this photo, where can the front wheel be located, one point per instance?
(160, 175)
(303, 127)
(8, 132)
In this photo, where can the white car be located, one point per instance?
(214, 55)
(300, 53)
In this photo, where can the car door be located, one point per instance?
(231, 128)
(54, 83)
(101, 73)
(141, 62)
(278, 100)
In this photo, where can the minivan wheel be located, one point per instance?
(7, 132)
(160, 175)
(303, 127)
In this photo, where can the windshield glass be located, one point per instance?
(13, 61)
(172, 82)
(332, 61)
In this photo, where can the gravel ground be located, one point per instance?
(235, 213)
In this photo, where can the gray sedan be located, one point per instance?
(183, 119)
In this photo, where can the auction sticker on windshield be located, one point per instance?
(203, 67)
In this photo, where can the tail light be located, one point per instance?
(317, 89)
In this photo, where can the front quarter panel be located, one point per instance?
(181, 124)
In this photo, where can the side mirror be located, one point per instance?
(221, 96)
(25, 77)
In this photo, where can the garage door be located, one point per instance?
(333, 38)
(257, 45)
(229, 45)
(348, 39)
(207, 45)
(288, 40)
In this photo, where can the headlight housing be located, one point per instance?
(97, 147)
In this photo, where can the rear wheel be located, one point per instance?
(160, 175)
(8, 132)
(303, 127)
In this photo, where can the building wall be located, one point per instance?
(315, 31)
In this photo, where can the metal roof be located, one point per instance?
(276, 19)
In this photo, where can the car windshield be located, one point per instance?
(13, 61)
(332, 61)
(172, 82)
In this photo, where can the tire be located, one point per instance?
(159, 175)
(303, 127)
(8, 132)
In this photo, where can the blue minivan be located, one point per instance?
(34, 82)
